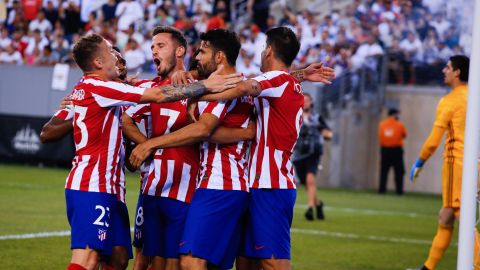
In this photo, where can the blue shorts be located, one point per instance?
(213, 226)
(138, 225)
(269, 220)
(90, 217)
(120, 227)
(164, 219)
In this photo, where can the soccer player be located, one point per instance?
(93, 184)
(170, 181)
(450, 119)
(279, 106)
(225, 195)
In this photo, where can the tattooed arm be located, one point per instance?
(316, 72)
(168, 93)
(244, 88)
(173, 92)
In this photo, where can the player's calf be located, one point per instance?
(188, 262)
(86, 258)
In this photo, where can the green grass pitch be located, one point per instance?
(362, 230)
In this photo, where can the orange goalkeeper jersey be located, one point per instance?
(451, 115)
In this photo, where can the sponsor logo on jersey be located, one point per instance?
(26, 140)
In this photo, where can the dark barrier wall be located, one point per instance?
(20, 142)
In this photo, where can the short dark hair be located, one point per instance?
(85, 50)
(462, 63)
(176, 34)
(393, 111)
(284, 43)
(225, 41)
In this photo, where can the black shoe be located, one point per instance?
(320, 214)
(309, 214)
(422, 268)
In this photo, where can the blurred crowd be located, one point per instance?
(416, 37)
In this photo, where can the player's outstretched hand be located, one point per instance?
(133, 80)
(218, 83)
(182, 77)
(317, 72)
(139, 154)
(416, 168)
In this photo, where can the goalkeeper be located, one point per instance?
(450, 118)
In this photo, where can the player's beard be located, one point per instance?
(170, 64)
(205, 70)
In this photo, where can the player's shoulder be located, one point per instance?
(273, 75)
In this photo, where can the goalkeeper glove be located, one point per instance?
(416, 168)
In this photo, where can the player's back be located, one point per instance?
(455, 103)
(279, 107)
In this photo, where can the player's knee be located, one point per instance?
(446, 217)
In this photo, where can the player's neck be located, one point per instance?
(97, 75)
(228, 69)
(276, 65)
(178, 66)
(457, 83)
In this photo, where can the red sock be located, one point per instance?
(150, 268)
(74, 266)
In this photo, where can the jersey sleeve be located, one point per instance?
(139, 112)
(217, 108)
(274, 83)
(64, 114)
(444, 114)
(110, 94)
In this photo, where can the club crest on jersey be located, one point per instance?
(247, 99)
(138, 234)
(102, 234)
(184, 102)
(78, 94)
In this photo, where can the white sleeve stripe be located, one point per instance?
(269, 75)
(132, 110)
(108, 102)
(116, 86)
(274, 91)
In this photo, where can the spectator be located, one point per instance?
(47, 57)
(367, 54)
(40, 23)
(412, 54)
(60, 45)
(134, 56)
(31, 8)
(11, 56)
(51, 12)
(108, 10)
(246, 66)
(36, 43)
(69, 13)
(4, 39)
(19, 41)
(128, 12)
(441, 25)
(254, 43)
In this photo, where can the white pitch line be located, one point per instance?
(293, 230)
(371, 212)
(360, 237)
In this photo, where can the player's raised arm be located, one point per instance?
(55, 129)
(315, 72)
(245, 88)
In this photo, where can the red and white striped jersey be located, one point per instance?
(99, 157)
(173, 171)
(141, 115)
(279, 108)
(65, 114)
(224, 166)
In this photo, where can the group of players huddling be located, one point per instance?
(213, 148)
